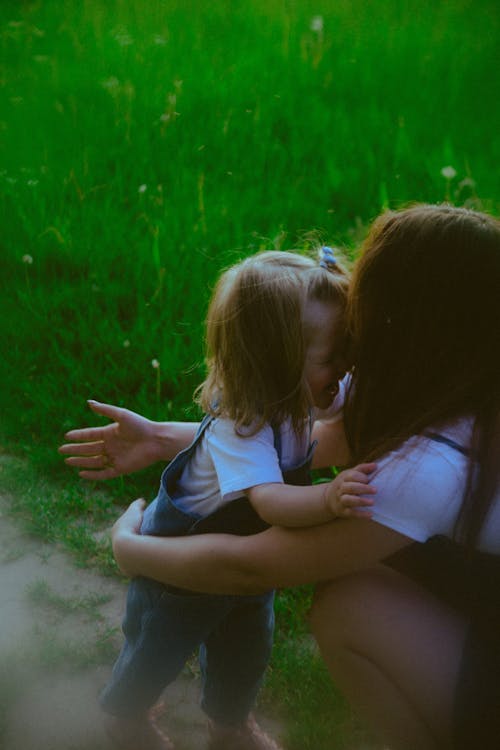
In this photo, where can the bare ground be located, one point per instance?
(59, 636)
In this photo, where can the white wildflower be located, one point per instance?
(27, 259)
(449, 172)
(143, 188)
(155, 364)
(317, 24)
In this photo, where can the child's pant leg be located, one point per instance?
(234, 657)
(161, 631)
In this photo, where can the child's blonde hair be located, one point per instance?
(256, 340)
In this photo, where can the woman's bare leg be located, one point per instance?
(395, 651)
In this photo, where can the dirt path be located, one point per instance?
(59, 636)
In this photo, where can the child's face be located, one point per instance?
(325, 362)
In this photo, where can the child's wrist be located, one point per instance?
(329, 508)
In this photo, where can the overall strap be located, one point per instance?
(277, 441)
(277, 435)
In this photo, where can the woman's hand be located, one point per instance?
(128, 444)
(125, 527)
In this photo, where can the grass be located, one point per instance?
(145, 147)
(41, 594)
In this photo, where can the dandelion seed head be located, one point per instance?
(317, 24)
(27, 259)
(126, 344)
(155, 364)
(449, 172)
(143, 188)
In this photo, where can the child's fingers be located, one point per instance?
(357, 488)
(353, 475)
(355, 501)
(365, 468)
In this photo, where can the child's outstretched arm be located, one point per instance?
(289, 505)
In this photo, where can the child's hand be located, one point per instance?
(346, 495)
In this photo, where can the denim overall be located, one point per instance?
(163, 625)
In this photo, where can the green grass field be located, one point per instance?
(146, 145)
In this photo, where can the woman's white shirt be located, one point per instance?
(420, 488)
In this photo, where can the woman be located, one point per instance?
(413, 642)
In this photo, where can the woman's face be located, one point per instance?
(325, 362)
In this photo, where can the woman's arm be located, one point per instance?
(332, 448)
(278, 557)
(130, 443)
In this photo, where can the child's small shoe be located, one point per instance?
(136, 734)
(247, 736)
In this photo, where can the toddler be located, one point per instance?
(275, 356)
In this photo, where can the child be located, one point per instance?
(276, 350)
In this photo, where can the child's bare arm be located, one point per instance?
(289, 505)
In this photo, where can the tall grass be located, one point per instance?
(148, 144)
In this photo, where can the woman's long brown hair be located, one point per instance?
(424, 316)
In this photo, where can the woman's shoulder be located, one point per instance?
(420, 484)
(439, 453)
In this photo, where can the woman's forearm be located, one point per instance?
(193, 563)
(332, 448)
(276, 558)
(172, 437)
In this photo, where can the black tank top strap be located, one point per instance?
(438, 438)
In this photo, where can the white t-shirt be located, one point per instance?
(224, 464)
(420, 488)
